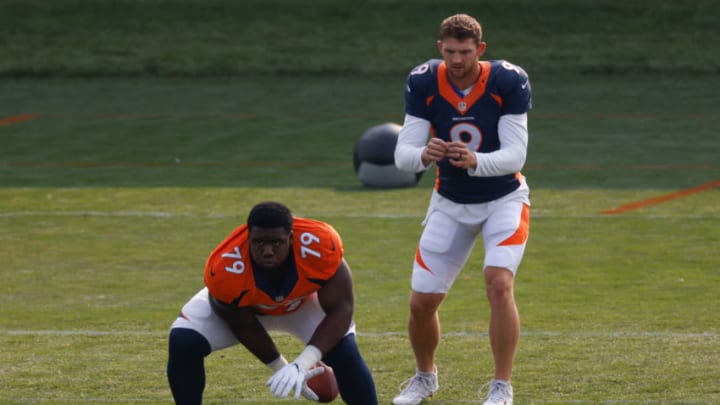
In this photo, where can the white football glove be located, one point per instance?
(291, 378)
(286, 379)
(294, 376)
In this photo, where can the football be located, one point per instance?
(324, 385)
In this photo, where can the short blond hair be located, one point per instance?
(461, 26)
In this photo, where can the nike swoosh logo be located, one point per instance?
(525, 84)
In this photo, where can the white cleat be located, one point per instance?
(500, 393)
(416, 389)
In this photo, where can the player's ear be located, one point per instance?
(481, 48)
(439, 43)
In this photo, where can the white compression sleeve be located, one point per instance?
(510, 158)
(411, 142)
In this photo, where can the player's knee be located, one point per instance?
(424, 305)
(498, 283)
(187, 343)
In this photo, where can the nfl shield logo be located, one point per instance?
(462, 106)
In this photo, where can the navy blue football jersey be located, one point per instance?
(502, 88)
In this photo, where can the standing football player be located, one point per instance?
(276, 272)
(476, 112)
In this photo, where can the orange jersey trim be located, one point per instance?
(448, 93)
(317, 250)
(497, 99)
(437, 178)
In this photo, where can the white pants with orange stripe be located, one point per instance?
(451, 230)
(198, 315)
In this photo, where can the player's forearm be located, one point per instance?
(247, 329)
(337, 300)
(410, 145)
(257, 341)
(510, 158)
(498, 163)
(409, 159)
(332, 328)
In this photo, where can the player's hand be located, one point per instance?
(289, 378)
(435, 150)
(460, 155)
(306, 391)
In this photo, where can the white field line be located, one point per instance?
(171, 215)
(599, 334)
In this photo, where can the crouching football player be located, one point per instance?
(276, 272)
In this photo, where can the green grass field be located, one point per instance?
(120, 182)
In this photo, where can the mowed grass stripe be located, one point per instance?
(171, 215)
(80, 116)
(290, 164)
(526, 334)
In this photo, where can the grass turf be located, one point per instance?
(143, 154)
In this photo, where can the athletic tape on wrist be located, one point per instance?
(308, 357)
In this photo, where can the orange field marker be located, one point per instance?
(660, 199)
(17, 118)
